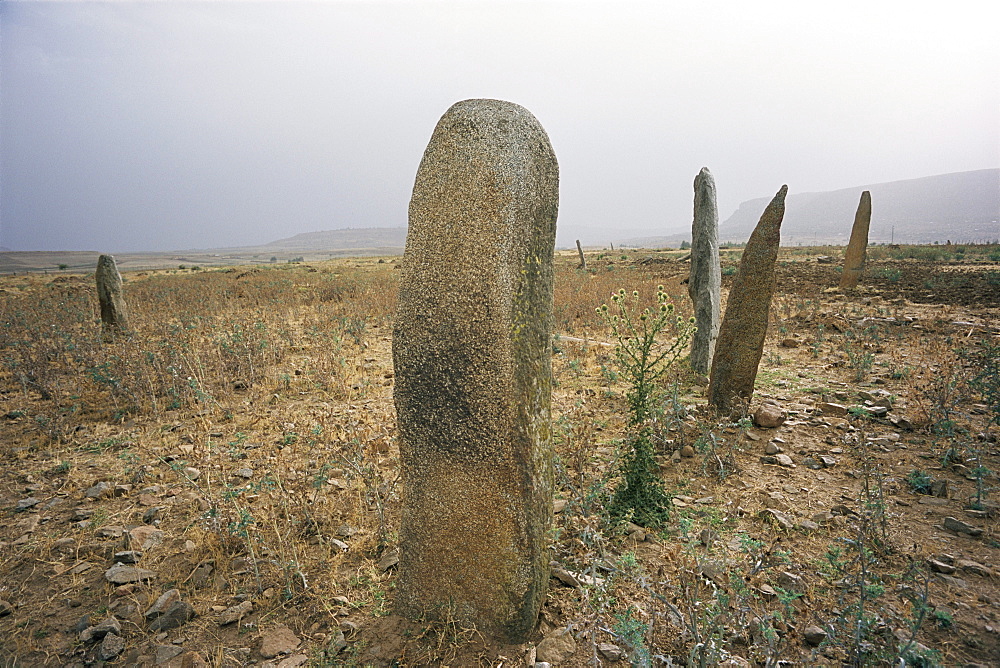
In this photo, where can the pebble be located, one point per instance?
(113, 531)
(785, 460)
(145, 537)
(814, 635)
(556, 648)
(235, 613)
(6, 608)
(121, 574)
(781, 518)
(179, 613)
(102, 488)
(278, 640)
(24, 504)
(769, 416)
(112, 645)
(165, 600)
(109, 625)
(610, 652)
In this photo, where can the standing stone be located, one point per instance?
(741, 335)
(857, 248)
(706, 272)
(583, 258)
(471, 350)
(109, 292)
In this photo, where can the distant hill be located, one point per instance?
(961, 207)
(349, 239)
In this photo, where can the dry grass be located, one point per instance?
(253, 407)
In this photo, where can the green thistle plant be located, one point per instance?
(643, 359)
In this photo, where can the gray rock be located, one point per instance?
(297, 660)
(741, 335)
(857, 247)
(121, 574)
(109, 625)
(235, 613)
(99, 490)
(112, 531)
(940, 567)
(705, 284)
(785, 460)
(610, 652)
(24, 504)
(772, 448)
(814, 635)
(6, 608)
(165, 600)
(177, 614)
(114, 317)
(112, 645)
(128, 557)
(958, 526)
(165, 653)
(278, 640)
(556, 648)
(472, 358)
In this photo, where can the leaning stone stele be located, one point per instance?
(114, 317)
(741, 336)
(857, 247)
(471, 350)
(705, 283)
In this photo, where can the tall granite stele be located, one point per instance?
(705, 283)
(857, 247)
(471, 348)
(114, 317)
(741, 336)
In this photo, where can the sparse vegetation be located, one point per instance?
(248, 416)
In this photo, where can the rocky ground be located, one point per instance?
(852, 512)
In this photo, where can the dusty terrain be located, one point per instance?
(239, 448)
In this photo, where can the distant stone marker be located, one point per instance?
(857, 248)
(114, 318)
(471, 350)
(741, 336)
(706, 273)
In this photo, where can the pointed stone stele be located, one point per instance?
(114, 317)
(741, 336)
(857, 248)
(471, 351)
(705, 284)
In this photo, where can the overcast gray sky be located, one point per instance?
(169, 125)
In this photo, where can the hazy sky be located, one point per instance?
(176, 125)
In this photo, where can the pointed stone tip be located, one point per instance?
(704, 172)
